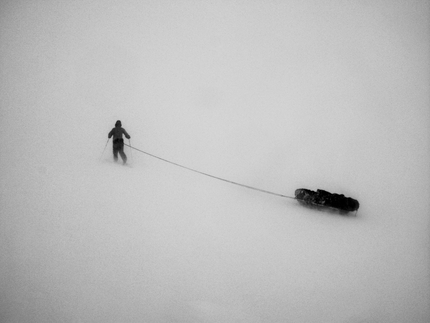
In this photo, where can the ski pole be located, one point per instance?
(131, 154)
(104, 149)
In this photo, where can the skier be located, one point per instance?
(118, 142)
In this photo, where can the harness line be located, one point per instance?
(209, 175)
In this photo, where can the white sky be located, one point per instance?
(278, 95)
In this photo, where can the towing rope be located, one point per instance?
(209, 175)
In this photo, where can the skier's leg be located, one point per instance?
(123, 155)
(115, 154)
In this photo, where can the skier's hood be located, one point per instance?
(118, 123)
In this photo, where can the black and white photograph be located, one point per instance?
(214, 161)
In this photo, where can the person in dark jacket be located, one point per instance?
(118, 141)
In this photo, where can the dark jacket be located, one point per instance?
(117, 133)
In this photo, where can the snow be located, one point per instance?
(276, 96)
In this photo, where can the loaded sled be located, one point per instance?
(325, 199)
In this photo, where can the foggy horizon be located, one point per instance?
(274, 95)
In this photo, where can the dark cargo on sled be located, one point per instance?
(322, 198)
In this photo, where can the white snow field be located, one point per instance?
(273, 94)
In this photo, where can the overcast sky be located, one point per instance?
(273, 94)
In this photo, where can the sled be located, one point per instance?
(323, 199)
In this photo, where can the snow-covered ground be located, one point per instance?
(279, 96)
